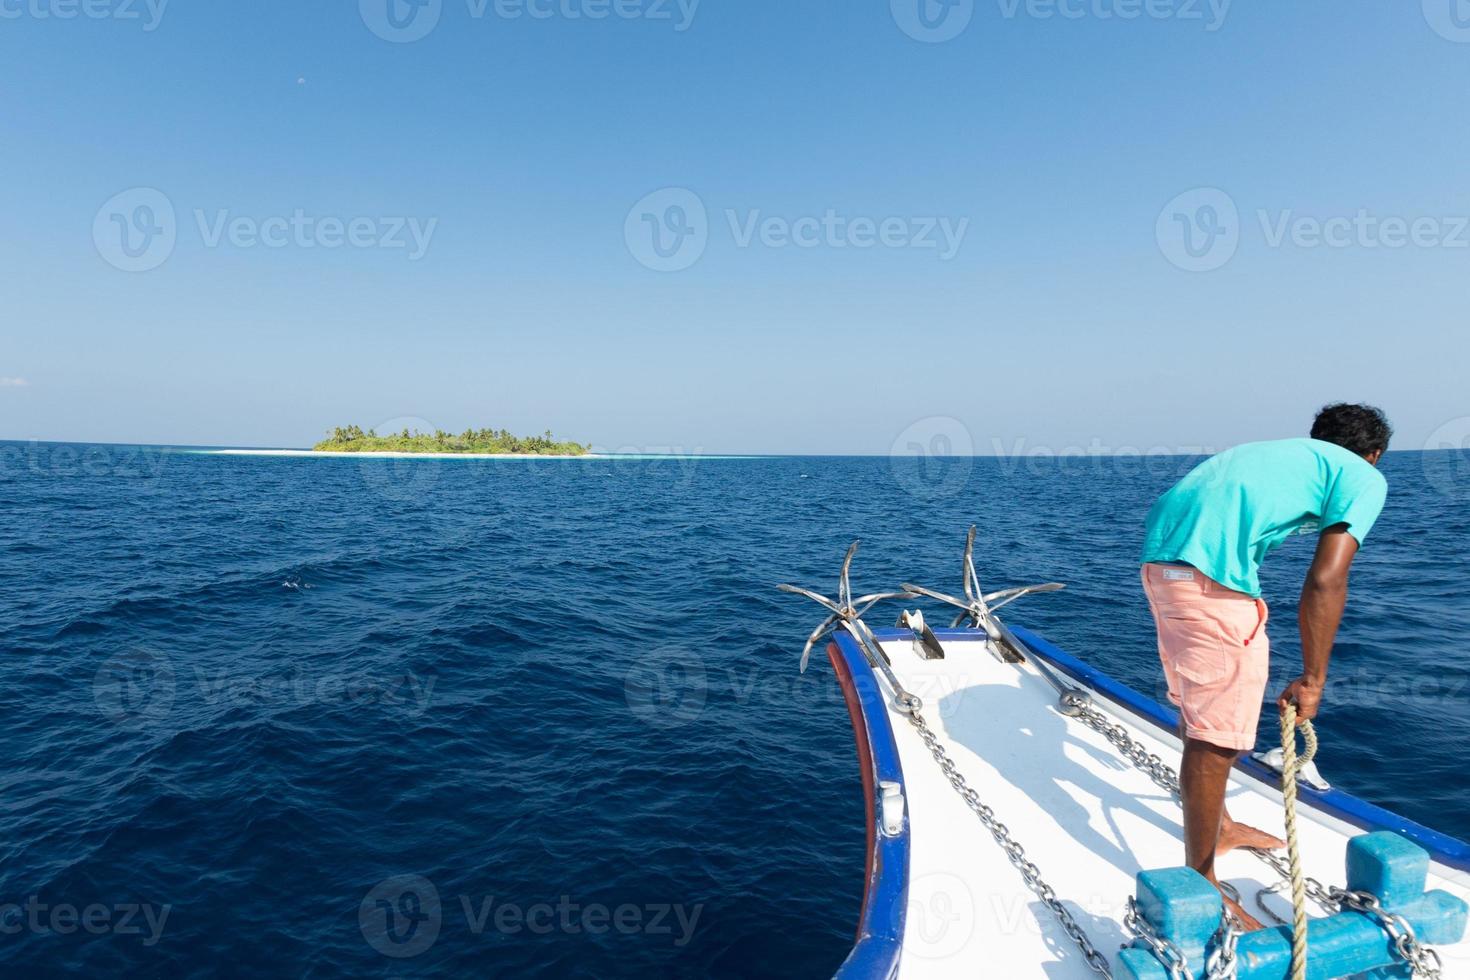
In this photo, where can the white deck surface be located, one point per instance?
(1084, 814)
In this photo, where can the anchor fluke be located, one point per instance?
(811, 641)
(1007, 596)
(844, 609)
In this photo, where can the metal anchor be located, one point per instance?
(979, 608)
(844, 609)
(847, 612)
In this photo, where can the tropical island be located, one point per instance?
(482, 442)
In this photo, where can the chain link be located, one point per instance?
(1316, 891)
(1423, 960)
(1079, 705)
(1221, 963)
(1014, 851)
(1170, 956)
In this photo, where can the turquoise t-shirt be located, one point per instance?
(1234, 509)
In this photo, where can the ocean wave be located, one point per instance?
(532, 682)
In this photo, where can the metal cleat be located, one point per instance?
(926, 644)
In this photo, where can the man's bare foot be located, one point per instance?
(1248, 922)
(1233, 835)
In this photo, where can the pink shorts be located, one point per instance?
(1212, 641)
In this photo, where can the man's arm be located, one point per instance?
(1324, 595)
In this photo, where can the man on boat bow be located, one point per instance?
(1202, 552)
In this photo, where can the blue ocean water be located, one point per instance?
(319, 717)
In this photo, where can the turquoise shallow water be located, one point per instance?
(311, 717)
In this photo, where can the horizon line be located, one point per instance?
(1070, 452)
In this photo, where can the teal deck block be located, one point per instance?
(1400, 972)
(1338, 946)
(1387, 865)
(1397, 871)
(1182, 907)
(1185, 909)
(1438, 917)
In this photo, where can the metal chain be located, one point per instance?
(1221, 963)
(1014, 851)
(1079, 705)
(1170, 956)
(1316, 891)
(1423, 960)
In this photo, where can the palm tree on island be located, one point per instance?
(497, 442)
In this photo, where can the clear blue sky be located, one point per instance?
(1063, 319)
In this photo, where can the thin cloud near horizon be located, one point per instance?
(14, 383)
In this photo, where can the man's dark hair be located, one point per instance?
(1361, 428)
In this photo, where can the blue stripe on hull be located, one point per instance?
(885, 902)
